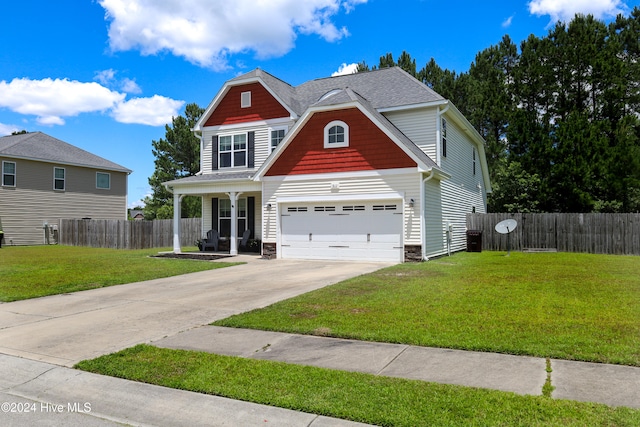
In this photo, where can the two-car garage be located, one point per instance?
(358, 230)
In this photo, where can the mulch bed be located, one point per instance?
(196, 256)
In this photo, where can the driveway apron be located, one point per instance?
(65, 329)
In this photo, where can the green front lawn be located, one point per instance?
(558, 305)
(359, 397)
(35, 271)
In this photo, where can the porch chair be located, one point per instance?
(245, 239)
(211, 240)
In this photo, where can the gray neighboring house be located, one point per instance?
(45, 180)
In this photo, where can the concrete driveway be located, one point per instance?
(65, 329)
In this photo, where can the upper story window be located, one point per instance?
(9, 174)
(336, 134)
(474, 160)
(103, 181)
(233, 151)
(58, 179)
(277, 135)
(444, 138)
(245, 100)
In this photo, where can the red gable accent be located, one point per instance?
(263, 106)
(369, 148)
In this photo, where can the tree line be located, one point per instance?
(559, 114)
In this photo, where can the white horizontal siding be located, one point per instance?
(459, 160)
(457, 196)
(435, 232)
(458, 201)
(419, 126)
(404, 184)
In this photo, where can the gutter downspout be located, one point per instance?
(423, 205)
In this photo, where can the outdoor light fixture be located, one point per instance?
(411, 202)
(268, 206)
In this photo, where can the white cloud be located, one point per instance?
(51, 100)
(565, 10)
(207, 32)
(108, 78)
(346, 69)
(155, 111)
(130, 86)
(8, 129)
(507, 22)
(105, 77)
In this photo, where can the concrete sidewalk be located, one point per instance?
(590, 382)
(36, 393)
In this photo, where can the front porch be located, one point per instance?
(233, 209)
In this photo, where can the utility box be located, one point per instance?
(474, 241)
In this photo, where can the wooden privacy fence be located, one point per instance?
(596, 233)
(123, 234)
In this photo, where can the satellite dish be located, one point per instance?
(506, 226)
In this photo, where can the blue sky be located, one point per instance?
(106, 75)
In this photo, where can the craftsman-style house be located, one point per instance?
(368, 166)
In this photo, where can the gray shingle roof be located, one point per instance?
(385, 88)
(42, 147)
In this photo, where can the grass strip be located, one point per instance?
(358, 397)
(559, 305)
(35, 271)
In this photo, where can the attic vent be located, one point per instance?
(329, 94)
(245, 100)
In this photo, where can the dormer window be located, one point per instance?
(336, 134)
(245, 100)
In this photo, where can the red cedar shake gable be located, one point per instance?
(369, 148)
(263, 107)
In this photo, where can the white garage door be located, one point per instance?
(343, 231)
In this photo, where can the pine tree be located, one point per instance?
(177, 156)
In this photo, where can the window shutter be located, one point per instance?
(214, 153)
(214, 214)
(251, 216)
(251, 149)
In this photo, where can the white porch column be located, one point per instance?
(177, 201)
(233, 239)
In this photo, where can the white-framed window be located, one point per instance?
(103, 181)
(336, 134)
(9, 174)
(444, 138)
(232, 151)
(474, 160)
(245, 100)
(224, 216)
(276, 137)
(59, 179)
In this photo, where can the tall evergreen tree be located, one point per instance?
(177, 156)
(560, 115)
